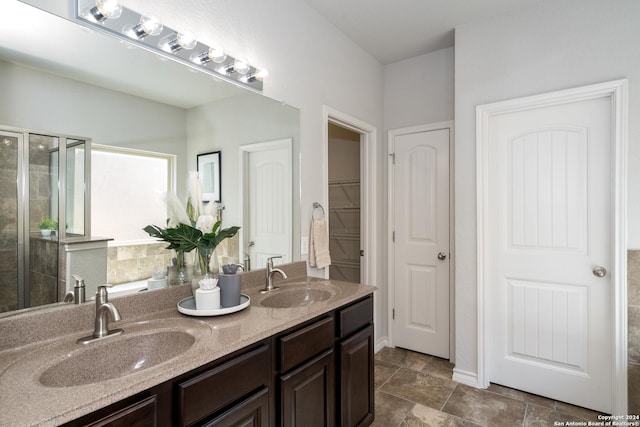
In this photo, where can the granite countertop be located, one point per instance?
(23, 360)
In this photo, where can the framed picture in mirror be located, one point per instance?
(210, 176)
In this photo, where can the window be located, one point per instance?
(127, 188)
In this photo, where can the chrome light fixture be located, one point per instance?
(103, 10)
(148, 26)
(213, 54)
(174, 42)
(258, 75)
(147, 32)
(240, 66)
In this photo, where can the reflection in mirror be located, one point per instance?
(75, 222)
(84, 83)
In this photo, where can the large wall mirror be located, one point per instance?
(58, 77)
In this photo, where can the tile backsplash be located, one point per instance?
(136, 262)
(131, 263)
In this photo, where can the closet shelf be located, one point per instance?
(344, 263)
(336, 210)
(345, 236)
(340, 182)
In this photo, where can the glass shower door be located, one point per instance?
(10, 144)
(41, 282)
(35, 196)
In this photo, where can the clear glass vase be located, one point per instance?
(181, 271)
(208, 262)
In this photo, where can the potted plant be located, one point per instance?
(46, 225)
(193, 227)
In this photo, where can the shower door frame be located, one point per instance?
(23, 201)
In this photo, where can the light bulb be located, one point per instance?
(151, 25)
(187, 40)
(105, 9)
(174, 42)
(258, 75)
(241, 66)
(148, 26)
(217, 55)
(262, 74)
(214, 54)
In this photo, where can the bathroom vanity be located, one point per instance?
(301, 355)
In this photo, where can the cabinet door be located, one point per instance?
(356, 379)
(252, 412)
(141, 414)
(209, 392)
(308, 394)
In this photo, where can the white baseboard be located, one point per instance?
(466, 378)
(381, 343)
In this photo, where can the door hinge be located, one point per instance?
(393, 236)
(393, 158)
(393, 313)
(361, 252)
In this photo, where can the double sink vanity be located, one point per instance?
(299, 355)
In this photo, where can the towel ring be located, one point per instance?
(317, 209)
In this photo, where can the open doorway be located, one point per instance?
(344, 203)
(362, 143)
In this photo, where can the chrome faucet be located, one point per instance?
(78, 295)
(270, 272)
(104, 309)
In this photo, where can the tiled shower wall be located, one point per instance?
(8, 227)
(43, 256)
(136, 262)
(633, 271)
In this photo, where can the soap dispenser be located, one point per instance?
(230, 285)
(78, 290)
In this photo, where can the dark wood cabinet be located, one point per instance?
(308, 393)
(213, 390)
(319, 373)
(251, 412)
(132, 412)
(307, 374)
(356, 363)
(357, 379)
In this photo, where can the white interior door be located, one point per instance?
(268, 201)
(549, 214)
(421, 243)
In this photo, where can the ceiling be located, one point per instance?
(393, 30)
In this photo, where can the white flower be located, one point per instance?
(205, 223)
(194, 193)
(175, 210)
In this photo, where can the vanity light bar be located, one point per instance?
(148, 33)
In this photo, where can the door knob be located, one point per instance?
(599, 271)
(442, 256)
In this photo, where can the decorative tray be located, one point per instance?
(188, 306)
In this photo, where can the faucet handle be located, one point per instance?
(270, 259)
(79, 281)
(101, 294)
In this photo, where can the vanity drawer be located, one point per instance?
(218, 387)
(355, 317)
(305, 343)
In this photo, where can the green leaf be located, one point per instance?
(181, 238)
(213, 239)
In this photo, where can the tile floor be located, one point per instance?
(416, 390)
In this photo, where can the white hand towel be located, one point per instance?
(319, 241)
